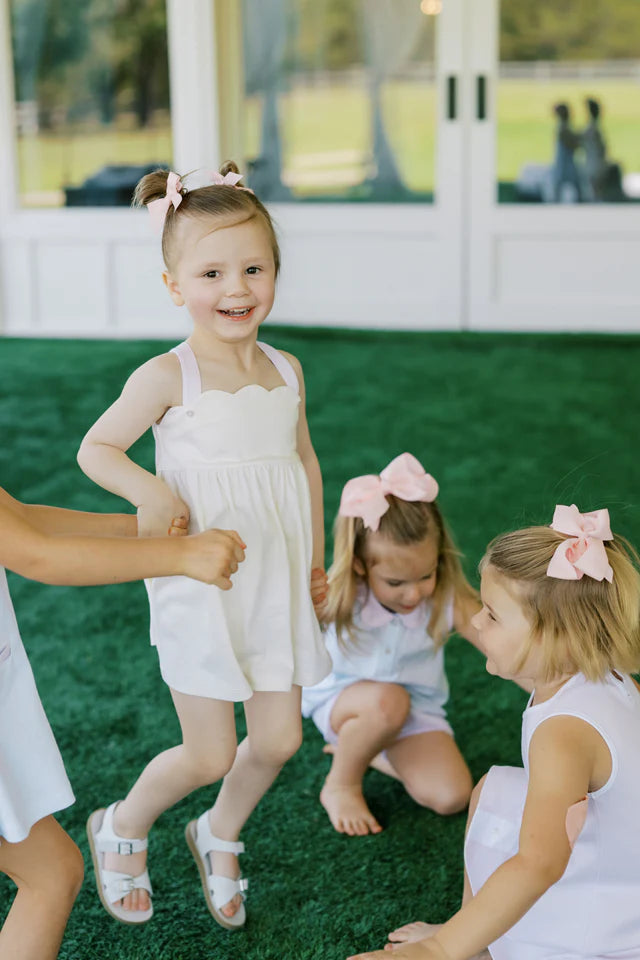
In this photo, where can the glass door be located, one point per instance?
(352, 133)
(555, 164)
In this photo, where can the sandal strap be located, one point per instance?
(224, 889)
(108, 841)
(117, 885)
(208, 843)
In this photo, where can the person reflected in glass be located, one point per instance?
(565, 178)
(595, 153)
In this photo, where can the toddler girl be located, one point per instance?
(552, 852)
(62, 547)
(396, 591)
(232, 445)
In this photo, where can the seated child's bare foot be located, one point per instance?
(379, 762)
(347, 809)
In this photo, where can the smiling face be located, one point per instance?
(504, 632)
(400, 576)
(224, 273)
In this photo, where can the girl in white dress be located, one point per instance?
(396, 592)
(552, 852)
(62, 547)
(232, 448)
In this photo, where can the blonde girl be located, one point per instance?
(233, 450)
(59, 546)
(396, 592)
(552, 851)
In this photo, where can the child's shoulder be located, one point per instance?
(158, 375)
(295, 363)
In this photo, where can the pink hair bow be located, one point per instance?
(230, 179)
(585, 551)
(366, 496)
(158, 208)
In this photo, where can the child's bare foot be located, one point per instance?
(379, 762)
(347, 809)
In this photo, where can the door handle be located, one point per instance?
(481, 97)
(452, 98)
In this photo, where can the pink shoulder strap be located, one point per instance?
(191, 383)
(281, 364)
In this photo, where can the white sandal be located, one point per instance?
(218, 890)
(113, 885)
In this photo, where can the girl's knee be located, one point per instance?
(390, 705)
(277, 752)
(445, 798)
(60, 880)
(208, 768)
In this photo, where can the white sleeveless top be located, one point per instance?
(232, 458)
(593, 911)
(33, 782)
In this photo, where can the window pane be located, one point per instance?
(569, 101)
(92, 98)
(340, 98)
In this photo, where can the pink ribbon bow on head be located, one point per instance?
(366, 496)
(585, 551)
(158, 208)
(230, 179)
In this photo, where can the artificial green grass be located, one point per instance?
(508, 424)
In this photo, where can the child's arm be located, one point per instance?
(68, 547)
(312, 468)
(562, 757)
(57, 520)
(147, 394)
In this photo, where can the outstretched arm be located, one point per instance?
(145, 398)
(66, 547)
(57, 520)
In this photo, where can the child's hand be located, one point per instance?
(319, 589)
(423, 950)
(179, 527)
(157, 519)
(213, 556)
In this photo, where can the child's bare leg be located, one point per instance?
(274, 734)
(380, 762)
(367, 716)
(204, 756)
(47, 868)
(432, 770)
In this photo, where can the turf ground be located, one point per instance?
(509, 425)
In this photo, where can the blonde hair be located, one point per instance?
(587, 626)
(214, 200)
(405, 522)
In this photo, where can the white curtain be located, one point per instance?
(391, 29)
(265, 31)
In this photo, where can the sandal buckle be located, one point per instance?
(125, 848)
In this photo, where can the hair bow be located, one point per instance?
(158, 208)
(585, 551)
(366, 496)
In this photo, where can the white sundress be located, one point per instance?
(232, 458)
(593, 911)
(33, 782)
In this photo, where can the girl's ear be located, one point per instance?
(359, 567)
(173, 288)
